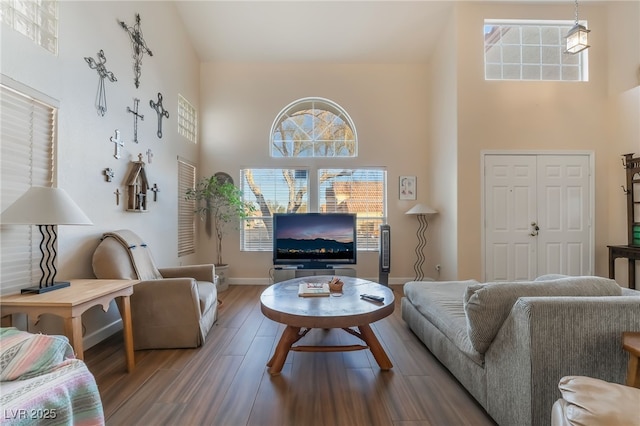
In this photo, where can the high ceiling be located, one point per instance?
(314, 31)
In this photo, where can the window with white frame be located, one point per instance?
(271, 191)
(531, 50)
(313, 127)
(28, 132)
(186, 208)
(187, 119)
(36, 19)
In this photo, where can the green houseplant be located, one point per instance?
(219, 202)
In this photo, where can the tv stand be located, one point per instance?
(291, 273)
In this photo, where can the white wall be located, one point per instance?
(388, 104)
(443, 153)
(84, 148)
(522, 115)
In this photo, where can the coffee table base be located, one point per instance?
(292, 334)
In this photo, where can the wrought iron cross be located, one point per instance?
(161, 112)
(149, 155)
(101, 95)
(136, 115)
(118, 143)
(117, 192)
(155, 190)
(139, 47)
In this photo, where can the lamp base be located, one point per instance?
(38, 290)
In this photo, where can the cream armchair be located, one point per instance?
(170, 307)
(594, 402)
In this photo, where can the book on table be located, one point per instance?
(313, 289)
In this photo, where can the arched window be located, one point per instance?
(313, 127)
(306, 128)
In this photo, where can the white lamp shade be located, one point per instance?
(421, 209)
(44, 206)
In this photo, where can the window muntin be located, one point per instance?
(187, 119)
(28, 134)
(531, 50)
(186, 208)
(313, 127)
(36, 19)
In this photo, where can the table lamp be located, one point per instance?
(45, 207)
(421, 211)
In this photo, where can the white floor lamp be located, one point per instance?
(421, 211)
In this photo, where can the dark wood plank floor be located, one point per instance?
(225, 382)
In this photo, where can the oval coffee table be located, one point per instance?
(281, 303)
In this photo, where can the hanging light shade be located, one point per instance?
(577, 37)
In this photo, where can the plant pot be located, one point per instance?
(221, 278)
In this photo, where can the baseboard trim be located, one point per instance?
(267, 281)
(102, 333)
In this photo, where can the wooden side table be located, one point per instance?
(631, 343)
(71, 302)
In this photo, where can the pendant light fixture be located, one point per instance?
(577, 37)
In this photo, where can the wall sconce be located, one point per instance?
(577, 38)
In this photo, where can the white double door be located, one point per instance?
(537, 211)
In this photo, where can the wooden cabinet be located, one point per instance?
(632, 166)
(632, 250)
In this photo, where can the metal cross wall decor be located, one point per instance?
(161, 112)
(139, 47)
(118, 143)
(136, 115)
(101, 95)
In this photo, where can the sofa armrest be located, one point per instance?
(546, 338)
(204, 272)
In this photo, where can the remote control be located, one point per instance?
(373, 298)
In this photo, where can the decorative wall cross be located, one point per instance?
(136, 115)
(149, 155)
(161, 112)
(118, 143)
(117, 192)
(108, 174)
(155, 190)
(139, 47)
(101, 95)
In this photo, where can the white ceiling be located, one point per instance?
(314, 31)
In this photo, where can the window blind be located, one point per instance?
(27, 135)
(186, 217)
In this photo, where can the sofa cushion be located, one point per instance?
(208, 295)
(440, 302)
(488, 305)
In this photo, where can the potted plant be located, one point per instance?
(219, 202)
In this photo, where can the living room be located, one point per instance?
(430, 117)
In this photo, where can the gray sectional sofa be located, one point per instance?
(509, 344)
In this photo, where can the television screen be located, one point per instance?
(314, 240)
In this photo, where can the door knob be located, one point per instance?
(534, 231)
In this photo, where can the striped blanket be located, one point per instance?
(41, 383)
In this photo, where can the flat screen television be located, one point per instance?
(314, 240)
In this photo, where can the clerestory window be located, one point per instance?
(531, 50)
